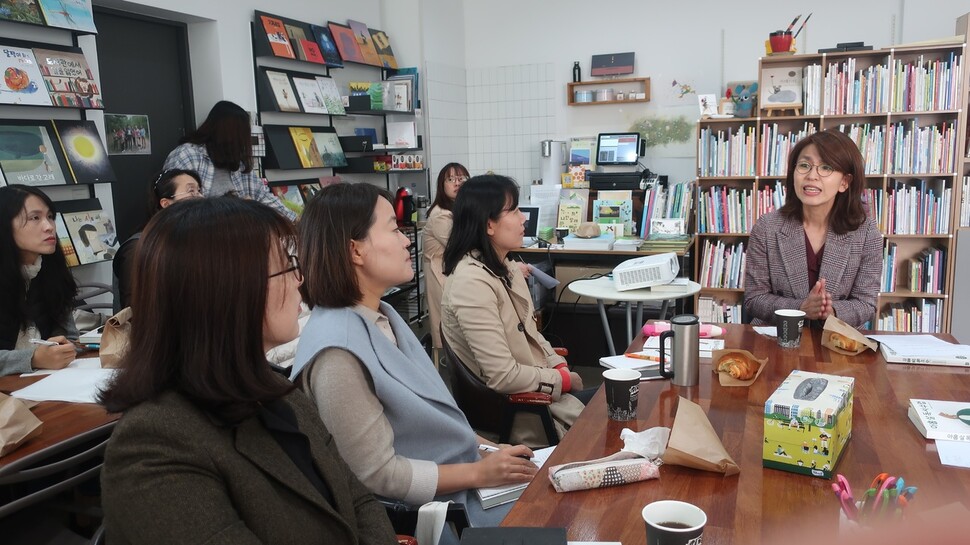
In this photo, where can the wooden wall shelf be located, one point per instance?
(619, 85)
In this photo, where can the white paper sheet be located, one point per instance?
(73, 385)
(920, 345)
(546, 197)
(954, 453)
(80, 363)
(768, 330)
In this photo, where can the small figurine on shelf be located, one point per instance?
(744, 97)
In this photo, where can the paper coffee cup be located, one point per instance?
(671, 522)
(622, 389)
(788, 323)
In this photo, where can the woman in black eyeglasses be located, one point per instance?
(820, 252)
(169, 187)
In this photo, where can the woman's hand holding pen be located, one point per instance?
(54, 357)
(504, 466)
(818, 304)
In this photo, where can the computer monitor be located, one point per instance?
(618, 148)
(531, 235)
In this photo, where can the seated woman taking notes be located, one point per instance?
(819, 252)
(214, 446)
(391, 415)
(36, 286)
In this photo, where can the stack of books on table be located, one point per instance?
(666, 244)
(943, 420)
(602, 242)
(627, 244)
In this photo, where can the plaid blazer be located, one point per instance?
(776, 272)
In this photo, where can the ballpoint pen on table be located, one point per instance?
(803, 26)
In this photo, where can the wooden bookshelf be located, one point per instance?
(881, 123)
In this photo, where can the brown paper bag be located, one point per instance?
(17, 424)
(114, 338)
(728, 380)
(694, 443)
(835, 325)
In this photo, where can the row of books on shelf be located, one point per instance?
(775, 146)
(771, 197)
(726, 152)
(874, 206)
(926, 271)
(871, 140)
(918, 316)
(330, 45)
(665, 202)
(918, 85)
(714, 311)
(965, 203)
(922, 208)
(912, 148)
(42, 153)
(320, 147)
(73, 15)
(300, 93)
(395, 94)
(722, 265)
(47, 77)
(724, 210)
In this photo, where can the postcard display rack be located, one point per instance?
(906, 108)
(311, 140)
(46, 142)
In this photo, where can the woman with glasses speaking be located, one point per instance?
(820, 252)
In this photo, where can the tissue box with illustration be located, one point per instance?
(808, 421)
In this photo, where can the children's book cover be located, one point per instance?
(781, 86)
(64, 241)
(28, 156)
(73, 14)
(93, 235)
(309, 190)
(84, 150)
(278, 39)
(365, 42)
(347, 44)
(283, 91)
(312, 51)
(297, 35)
(21, 11)
(331, 153)
(290, 196)
(22, 81)
(306, 148)
(331, 96)
(331, 56)
(311, 97)
(383, 46)
(69, 80)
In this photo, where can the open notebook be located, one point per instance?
(490, 497)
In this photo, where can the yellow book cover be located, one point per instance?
(306, 147)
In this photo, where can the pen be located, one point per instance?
(793, 21)
(42, 342)
(803, 26)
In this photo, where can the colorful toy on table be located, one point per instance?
(886, 498)
(656, 328)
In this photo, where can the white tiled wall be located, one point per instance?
(447, 112)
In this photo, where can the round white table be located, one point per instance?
(602, 289)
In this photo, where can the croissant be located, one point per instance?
(737, 366)
(841, 341)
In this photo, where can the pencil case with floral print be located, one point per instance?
(614, 470)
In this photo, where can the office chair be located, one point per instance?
(490, 411)
(404, 519)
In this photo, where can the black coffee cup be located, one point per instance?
(671, 522)
(622, 388)
(788, 326)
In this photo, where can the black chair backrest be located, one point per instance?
(483, 407)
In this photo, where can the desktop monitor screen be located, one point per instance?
(531, 221)
(618, 148)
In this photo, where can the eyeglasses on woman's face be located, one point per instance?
(459, 179)
(293, 268)
(823, 170)
(192, 192)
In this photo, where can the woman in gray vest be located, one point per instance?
(375, 387)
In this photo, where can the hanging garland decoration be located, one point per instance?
(661, 131)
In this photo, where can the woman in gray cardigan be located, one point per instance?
(391, 415)
(214, 446)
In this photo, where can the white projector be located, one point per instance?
(643, 272)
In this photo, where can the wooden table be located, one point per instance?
(759, 505)
(62, 420)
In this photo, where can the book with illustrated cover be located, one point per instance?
(69, 80)
(29, 154)
(324, 39)
(279, 41)
(944, 420)
(64, 241)
(283, 91)
(22, 81)
(312, 51)
(328, 144)
(311, 97)
(365, 42)
(72, 14)
(297, 36)
(782, 86)
(21, 11)
(290, 196)
(401, 134)
(346, 43)
(331, 96)
(383, 46)
(309, 190)
(306, 147)
(91, 230)
(86, 157)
